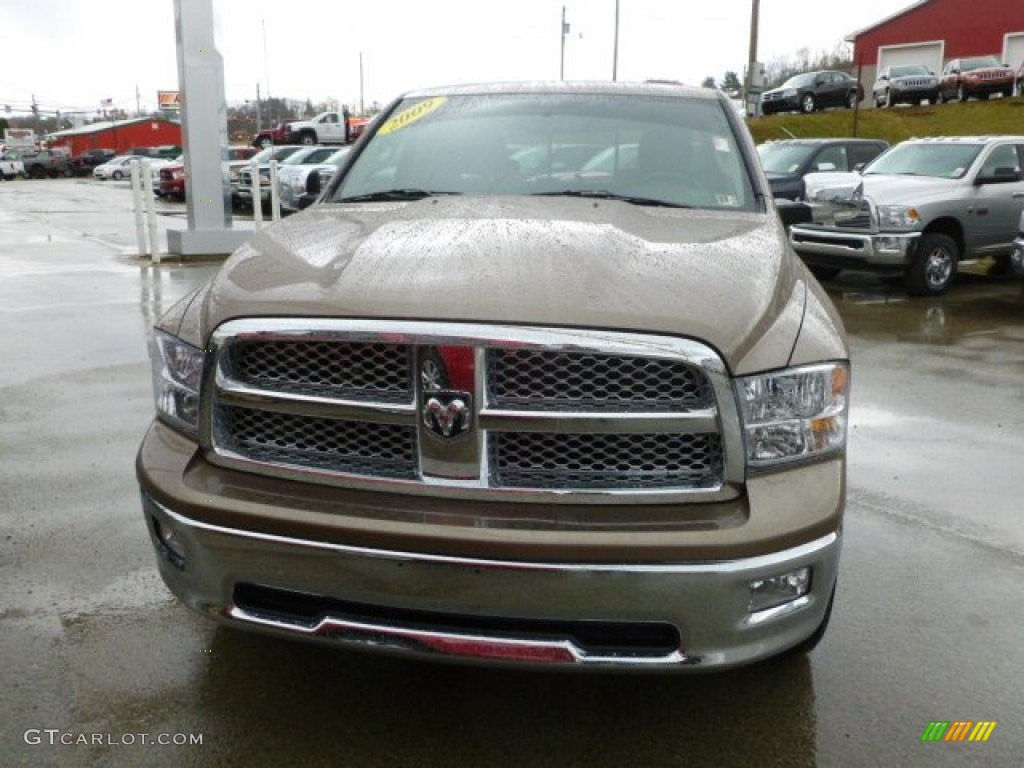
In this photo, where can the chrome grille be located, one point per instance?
(541, 380)
(557, 415)
(378, 450)
(853, 217)
(345, 369)
(529, 460)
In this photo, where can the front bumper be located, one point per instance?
(986, 87)
(914, 93)
(850, 248)
(486, 600)
(788, 104)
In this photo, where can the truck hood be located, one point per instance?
(725, 278)
(882, 189)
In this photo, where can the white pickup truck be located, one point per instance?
(11, 169)
(325, 128)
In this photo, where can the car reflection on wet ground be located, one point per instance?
(926, 625)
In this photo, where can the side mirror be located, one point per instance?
(859, 167)
(883, 77)
(1001, 175)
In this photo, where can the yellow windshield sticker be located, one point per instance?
(411, 115)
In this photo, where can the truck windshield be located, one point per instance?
(945, 161)
(784, 158)
(670, 150)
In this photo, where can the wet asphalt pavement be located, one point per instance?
(928, 625)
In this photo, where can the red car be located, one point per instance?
(979, 77)
(172, 177)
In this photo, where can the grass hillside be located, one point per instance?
(999, 116)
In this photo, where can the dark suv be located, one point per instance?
(812, 91)
(82, 165)
(787, 162)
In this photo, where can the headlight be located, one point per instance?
(177, 374)
(898, 217)
(789, 93)
(798, 413)
(298, 184)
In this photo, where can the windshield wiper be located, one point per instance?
(394, 194)
(605, 195)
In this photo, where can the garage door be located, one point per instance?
(1014, 53)
(929, 54)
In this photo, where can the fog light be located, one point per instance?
(169, 544)
(1017, 259)
(889, 245)
(779, 590)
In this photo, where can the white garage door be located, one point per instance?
(929, 54)
(1014, 53)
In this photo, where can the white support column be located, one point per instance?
(204, 126)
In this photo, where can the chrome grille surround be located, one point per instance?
(860, 215)
(655, 423)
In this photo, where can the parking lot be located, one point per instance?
(926, 625)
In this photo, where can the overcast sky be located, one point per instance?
(71, 54)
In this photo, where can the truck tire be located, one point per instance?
(265, 142)
(308, 138)
(933, 266)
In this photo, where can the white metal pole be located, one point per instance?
(140, 227)
(147, 188)
(275, 198)
(257, 195)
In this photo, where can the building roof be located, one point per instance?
(852, 37)
(108, 125)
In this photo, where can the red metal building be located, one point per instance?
(931, 32)
(120, 135)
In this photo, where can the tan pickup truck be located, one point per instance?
(488, 400)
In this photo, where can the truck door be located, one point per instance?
(999, 199)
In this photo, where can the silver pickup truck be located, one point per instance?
(921, 208)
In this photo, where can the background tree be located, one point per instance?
(731, 83)
(709, 82)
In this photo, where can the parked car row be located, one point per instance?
(961, 79)
(296, 165)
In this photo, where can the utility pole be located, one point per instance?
(565, 31)
(259, 121)
(138, 104)
(362, 106)
(615, 52)
(752, 55)
(266, 67)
